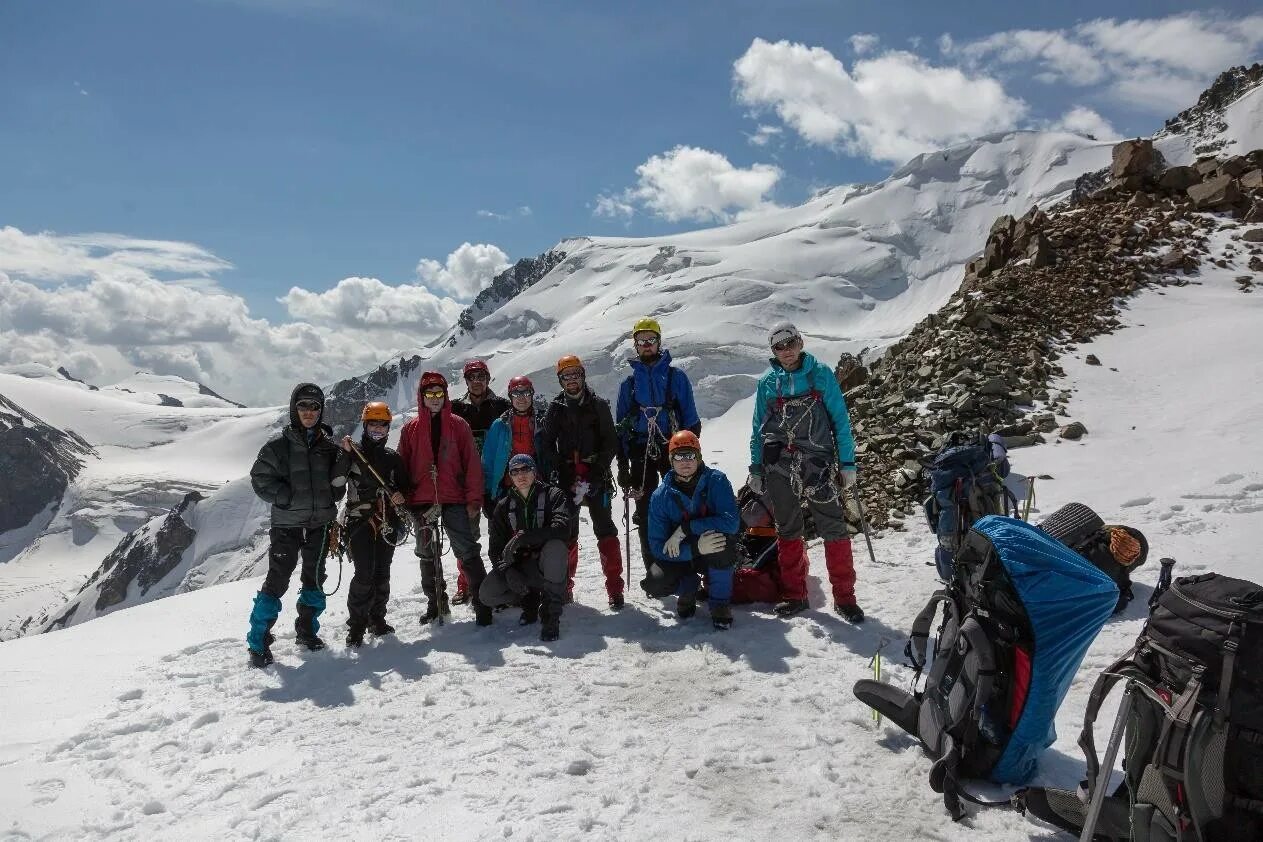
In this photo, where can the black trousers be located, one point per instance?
(287, 544)
(369, 591)
(652, 474)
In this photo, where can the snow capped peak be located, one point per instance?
(166, 390)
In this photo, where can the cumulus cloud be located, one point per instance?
(688, 183)
(1155, 64)
(764, 133)
(1085, 121)
(887, 108)
(466, 272)
(96, 304)
(370, 304)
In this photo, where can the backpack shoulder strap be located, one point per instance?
(919, 639)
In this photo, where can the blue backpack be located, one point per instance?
(965, 480)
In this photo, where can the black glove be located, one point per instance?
(624, 477)
(508, 555)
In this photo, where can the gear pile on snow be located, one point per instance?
(1044, 283)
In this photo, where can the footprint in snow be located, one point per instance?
(1228, 479)
(1139, 501)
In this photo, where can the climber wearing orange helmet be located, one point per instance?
(693, 524)
(579, 444)
(371, 521)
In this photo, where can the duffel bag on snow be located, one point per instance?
(1192, 724)
(1115, 549)
(1019, 612)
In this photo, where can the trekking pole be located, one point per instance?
(859, 503)
(1164, 581)
(1030, 499)
(401, 512)
(440, 584)
(1107, 766)
(627, 534)
(875, 663)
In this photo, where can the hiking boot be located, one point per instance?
(721, 617)
(355, 638)
(380, 628)
(432, 608)
(482, 615)
(268, 640)
(551, 629)
(460, 597)
(259, 660)
(309, 641)
(790, 607)
(852, 613)
(686, 606)
(616, 602)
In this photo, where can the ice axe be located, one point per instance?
(859, 504)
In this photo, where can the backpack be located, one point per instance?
(1116, 550)
(1019, 613)
(965, 481)
(1192, 724)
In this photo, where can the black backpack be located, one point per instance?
(1117, 550)
(964, 481)
(1192, 720)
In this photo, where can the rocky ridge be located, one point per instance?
(1044, 282)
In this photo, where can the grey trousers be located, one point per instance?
(544, 571)
(830, 518)
(462, 535)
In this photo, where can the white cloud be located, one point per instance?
(95, 304)
(523, 210)
(764, 134)
(467, 270)
(1060, 57)
(1085, 121)
(52, 257)
(694, 184)
(889, 108)
(486, 214)
(864, 42)
(1156, 64)
(368, 303)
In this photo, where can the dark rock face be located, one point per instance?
(345, 400)
(37, 461)
(1206, 117)
(522, 275)
(145, 556)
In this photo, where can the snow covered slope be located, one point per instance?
(854, 267)
(145, 724)
(139, 460)
(167, 390)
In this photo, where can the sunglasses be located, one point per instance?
(478, 375)
(522, 393)
(517, 471)
(685, 456)
(308, 406)
(784, 344)
(572, 375)
(645, 343)
(377, 425)
(434, 393)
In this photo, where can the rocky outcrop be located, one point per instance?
(38, 462)
(394, 382)
(522, 275)
(1043, 283)
(1206, 117)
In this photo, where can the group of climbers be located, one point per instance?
(530, 465)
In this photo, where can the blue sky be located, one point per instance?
(304, 142)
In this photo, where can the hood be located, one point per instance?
(305, 391)
(809, 362)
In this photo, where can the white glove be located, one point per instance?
(755, 483)
(433, 513)
(581, 491)
(848, 478)
(711, 542)
(672, 545)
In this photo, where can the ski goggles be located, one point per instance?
(307, 406)
(522, 393)
(434, 393)
(685, 456)
(784, 344)
(521, 469)
(645, 343)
